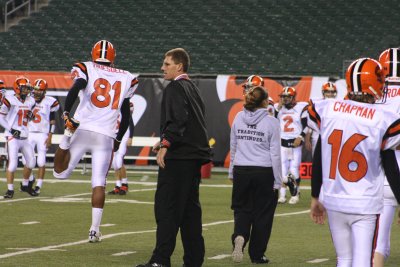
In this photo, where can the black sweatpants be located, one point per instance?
(177, 206)
(253, 202)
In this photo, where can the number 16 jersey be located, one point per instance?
(352, 137)
(101, 100)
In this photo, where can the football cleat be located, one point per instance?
(37, 190)
(94, 236)
(263, 260)
(9, 194)
(29, 190)
(291, 183)
(154, 264)
(237, 254)
(282, 200)
(123, 189)
(115, 191)
(294, 199)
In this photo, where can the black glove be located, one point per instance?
(116, 144)
(15, 133)
(30, 116)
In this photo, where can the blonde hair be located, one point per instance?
(255, 97)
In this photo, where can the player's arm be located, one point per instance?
(73, 93)
(131, 131)
(318, 211)
(392, 172)
(52, 129)
(125, 114)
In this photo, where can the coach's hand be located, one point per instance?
(318, 211)
(160, 157)
(116, 144)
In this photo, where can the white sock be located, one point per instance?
(97, 213)
(39, 183)
(25, 182)
(10, 187)
(118, 183)
(282, 192)
(65, 142)
(124, 180)
(31, 177)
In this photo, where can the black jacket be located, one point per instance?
(183, 123)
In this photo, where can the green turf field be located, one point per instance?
(51, 230)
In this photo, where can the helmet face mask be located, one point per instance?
(103, 52)
(329, 90)
(22, 87)
(288, 97)
(39, 89)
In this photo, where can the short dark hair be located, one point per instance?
(255, 97)
(179, 55)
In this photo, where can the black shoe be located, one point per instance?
(115, 191)
(29, 190)
(151, 265)
(9, 194)
(263, 260)
(37, 190)
(123, 189)
(31, 183)
(291, 183)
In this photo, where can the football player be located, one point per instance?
(328, 90)
(354, 152)
(42, 127)
(390, 61)
(293, 119)
(254, 81)
(121, 180)
(15, 113)
(104, 92)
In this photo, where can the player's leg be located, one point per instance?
(41, 160)
(364, 231)
(382, 250)
(340, 228)
(12, 151)
(29, 155)
(285, 172)
(124, 180)
(101, 150)
(294, 170)
(117, 164)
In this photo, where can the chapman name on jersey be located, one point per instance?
(101, 100)
(349, 131)
(16, 113)
(42, 110)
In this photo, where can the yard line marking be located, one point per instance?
(34, 222)
(88, 200)
(107, 225)
(85, 241)
(21, 199)
(123, 253)
(292, 213)
(318, 260)
(220, 257)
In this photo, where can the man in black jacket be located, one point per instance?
(180, 153)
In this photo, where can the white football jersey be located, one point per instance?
(16, 111)
(290, 120)
(352, 137)
(41, 122)
(101, 100)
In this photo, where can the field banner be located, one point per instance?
(222, 94)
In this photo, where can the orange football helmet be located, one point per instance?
(103, 51)
(2, 85)
(252, 81)
(288, 96)
(365, 76)
(329, 90)
(22, 87)
(390, 61)
(2, 91)
(39, 89)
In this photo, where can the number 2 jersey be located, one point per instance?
(101, 100)
(352, 136)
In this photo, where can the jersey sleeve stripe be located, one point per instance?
(313, 114)
(55, 104)
(134, 82)
(393, 130)
(82, 67)
(6, 102)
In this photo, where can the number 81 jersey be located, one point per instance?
(101, 100)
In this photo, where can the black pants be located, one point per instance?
(177, 206)
(253, 202)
